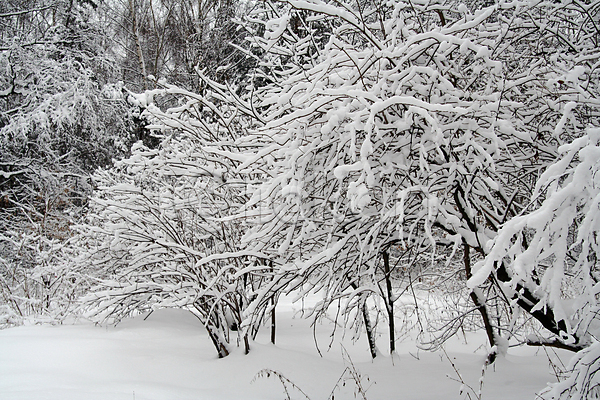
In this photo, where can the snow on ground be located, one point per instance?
(168, 356)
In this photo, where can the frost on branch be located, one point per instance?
(583, 382)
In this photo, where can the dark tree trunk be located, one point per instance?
(273, 302)
(389, 301)
(213, 333)
(273, 323)
(246, 344)
(369, 329)
(368, 325)
(527, 301)
(480, 304)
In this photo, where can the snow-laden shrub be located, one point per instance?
(371, 139)
(60, 118)
(401, 129)
(164, 228)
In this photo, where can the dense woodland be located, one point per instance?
(214, 155)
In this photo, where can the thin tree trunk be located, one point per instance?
(368, 325)
(479, 302)
(389, 301)
(273, 320)
(246, 344)
(136, 34)
(213, 333)
(369, 329)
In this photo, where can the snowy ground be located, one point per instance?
(169, 357)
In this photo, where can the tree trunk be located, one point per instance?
(368, 325)
(246, 344)
(217, 340)
(389, 305)
(527, 300)
(273, 321)
(479, 302)
(369, 329)
(136, 34)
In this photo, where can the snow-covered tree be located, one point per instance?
(170, 39)
(371, 139)
(410, 125)
(164, 230)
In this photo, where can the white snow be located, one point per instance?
(168, 356)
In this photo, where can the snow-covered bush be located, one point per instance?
(370, 140)
(164, 230)
(41, 284)
(582, 382)
(416, 127)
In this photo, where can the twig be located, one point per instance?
(285, 382)
(460, 379)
